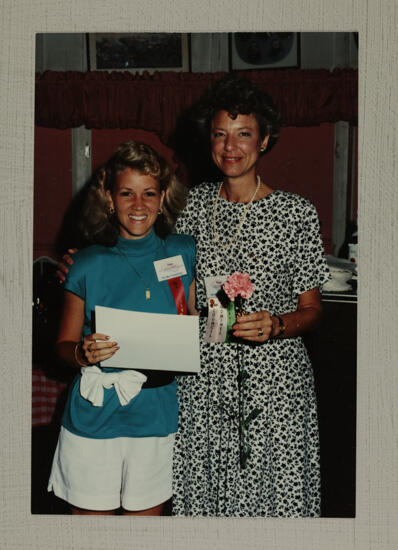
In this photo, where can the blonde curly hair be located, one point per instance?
(97, 224)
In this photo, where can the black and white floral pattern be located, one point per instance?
(280, 247)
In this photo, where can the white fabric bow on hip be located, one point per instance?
(127, 384)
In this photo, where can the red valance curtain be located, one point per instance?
(154, 102)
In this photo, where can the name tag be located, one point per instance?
(213, 285)
(168, 268)
(219, 319)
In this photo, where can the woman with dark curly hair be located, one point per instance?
(116, 441)
(262, 461)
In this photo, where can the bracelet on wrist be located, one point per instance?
(282, 326)
(77, 351)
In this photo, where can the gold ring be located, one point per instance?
(260, 332)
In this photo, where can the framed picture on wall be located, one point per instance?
(263, 50)
(138, 52)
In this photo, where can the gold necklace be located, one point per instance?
(241, 221)
(146, 284)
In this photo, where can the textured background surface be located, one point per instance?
(375, 526)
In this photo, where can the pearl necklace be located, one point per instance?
(241, 221)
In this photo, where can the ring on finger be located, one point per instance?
(260, 332)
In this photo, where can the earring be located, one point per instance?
(262, 149)
(160, 211)
(111, 210)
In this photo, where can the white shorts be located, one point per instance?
(104, 474)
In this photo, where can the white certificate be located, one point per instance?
(150, 340)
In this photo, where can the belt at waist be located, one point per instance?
(157, 378)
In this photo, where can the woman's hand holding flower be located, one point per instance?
(256, 327)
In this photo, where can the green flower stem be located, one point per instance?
(243, 421)
(231, 320)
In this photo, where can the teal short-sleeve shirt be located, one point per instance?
(105, 277)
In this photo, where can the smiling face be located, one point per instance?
(235, 144)
(136, 200)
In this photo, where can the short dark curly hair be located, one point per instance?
(238, 95)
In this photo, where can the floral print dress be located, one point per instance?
(280, 247)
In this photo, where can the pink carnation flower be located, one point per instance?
(238, 284)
